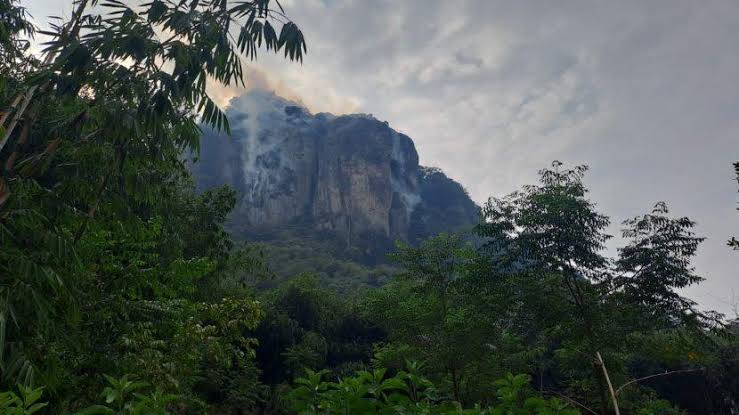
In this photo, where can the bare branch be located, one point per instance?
(570, 400)
(665, 373)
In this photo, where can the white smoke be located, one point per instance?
(261, 134)
(410, 196)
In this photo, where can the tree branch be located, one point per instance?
(665, 373)
(570, 400)
(613, 393)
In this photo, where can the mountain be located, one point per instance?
(350, 179)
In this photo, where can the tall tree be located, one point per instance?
(551, 233)
(553, 229)
(97, 219)
(430, 320)
(656, 263)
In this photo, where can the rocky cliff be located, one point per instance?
(350, 176)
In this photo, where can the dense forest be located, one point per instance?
(122, 293)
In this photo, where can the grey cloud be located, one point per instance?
(493, 90)
(464, 59)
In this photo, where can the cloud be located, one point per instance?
(316, 95)
(255, 78)
(493, 90)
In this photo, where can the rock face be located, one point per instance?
(352, 176)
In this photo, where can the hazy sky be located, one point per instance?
(645, 92)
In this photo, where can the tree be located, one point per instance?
(108, 258)
(435, 266)
(125, 88)
(428, 318)
(657, 262)
(310, 326)
(14, 25)
(551, 233)
(553, 229)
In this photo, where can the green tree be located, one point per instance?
(427, 316)
(14, 26)
(551, 235)
(110, 263)
(435, 266)
(552, 229)
(657, 262)
(310, 326)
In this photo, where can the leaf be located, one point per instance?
(270, 37)
(96, 410)
(157, 10)
(35, 408)
(30, 395)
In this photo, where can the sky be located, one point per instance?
(644, 92)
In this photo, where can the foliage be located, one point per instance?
(308, 326)
(122, 396)
(113, 270)
(425, 311)
(552, 233)
(295, 252)
(656, 262)
(110, 262)
(26, 403)
(409, 393)
(14, 26)
(552, 226)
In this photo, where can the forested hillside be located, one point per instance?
(121, 291)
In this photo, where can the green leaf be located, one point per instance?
(96, 410)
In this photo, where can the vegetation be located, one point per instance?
(410, 393)
(291, 253)
(122, 293)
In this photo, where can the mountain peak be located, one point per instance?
(351, 176)
(261, 101)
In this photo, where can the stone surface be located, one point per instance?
(352, 175)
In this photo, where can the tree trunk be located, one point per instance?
(601, 390)
(608, 381)
(455, 384)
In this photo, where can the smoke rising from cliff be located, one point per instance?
(260, 113)
(303, 93)
(410, 196)
(264, 127)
